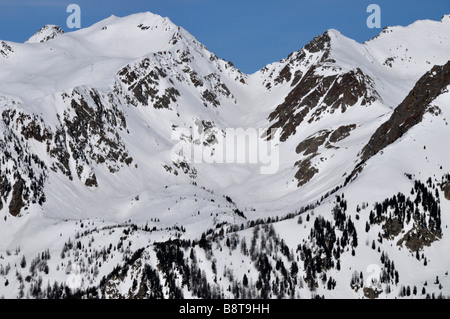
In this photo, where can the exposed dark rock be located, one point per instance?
(163, 102)
(319, 43)
(316, 95)
(186, 168)
(31, 126)
(35, 131)
(399, 213)
(5, 188)
(370, 293)
(194, 79)
(91, 181)
(52, 32)
(419, 237)
(60, 153)
(305, 171)
(285, 114)
(389, 61)
(445, 186)
(311, 145)
(408, 114)
(341, 133)
(446, 189)
(142, 80)
(16, 203)
(5, 49)
(411, 111)
(171, 170)
(392, 228)
(210, 97)
(348, 88)
(284, 76)
(91, 115)
(143, 27)
(24, 183)
(297, 77)
(218, 88)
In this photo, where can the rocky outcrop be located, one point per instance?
(319, 46)
(403, 221)
(142, 81)
(408, 114)
(16, 203)
(310, 148)
(341, 133)
(321, 43)
(306, 171)
(46, 33)
(88, 134)
(411, 111)
(445, 186)
(311, 145)
(447, 191)
(22, 172)
(315, 95)
(5, 49)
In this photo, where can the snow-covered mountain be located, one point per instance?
(46, 33)
(93, 198)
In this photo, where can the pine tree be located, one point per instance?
(436, 282)
(245, 280)
(23, 262)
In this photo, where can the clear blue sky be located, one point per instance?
(250, 33)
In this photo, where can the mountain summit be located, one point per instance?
(46, 33)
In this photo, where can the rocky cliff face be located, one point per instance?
(320, 86)
(408, 114)
(411, 111)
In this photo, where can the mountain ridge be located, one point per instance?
(87, 138)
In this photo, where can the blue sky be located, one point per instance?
(250, 33)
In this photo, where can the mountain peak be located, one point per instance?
(147, 19)
(334, 32)
(131, 36)
(323, 42)
(46, 33)
(319, 43)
